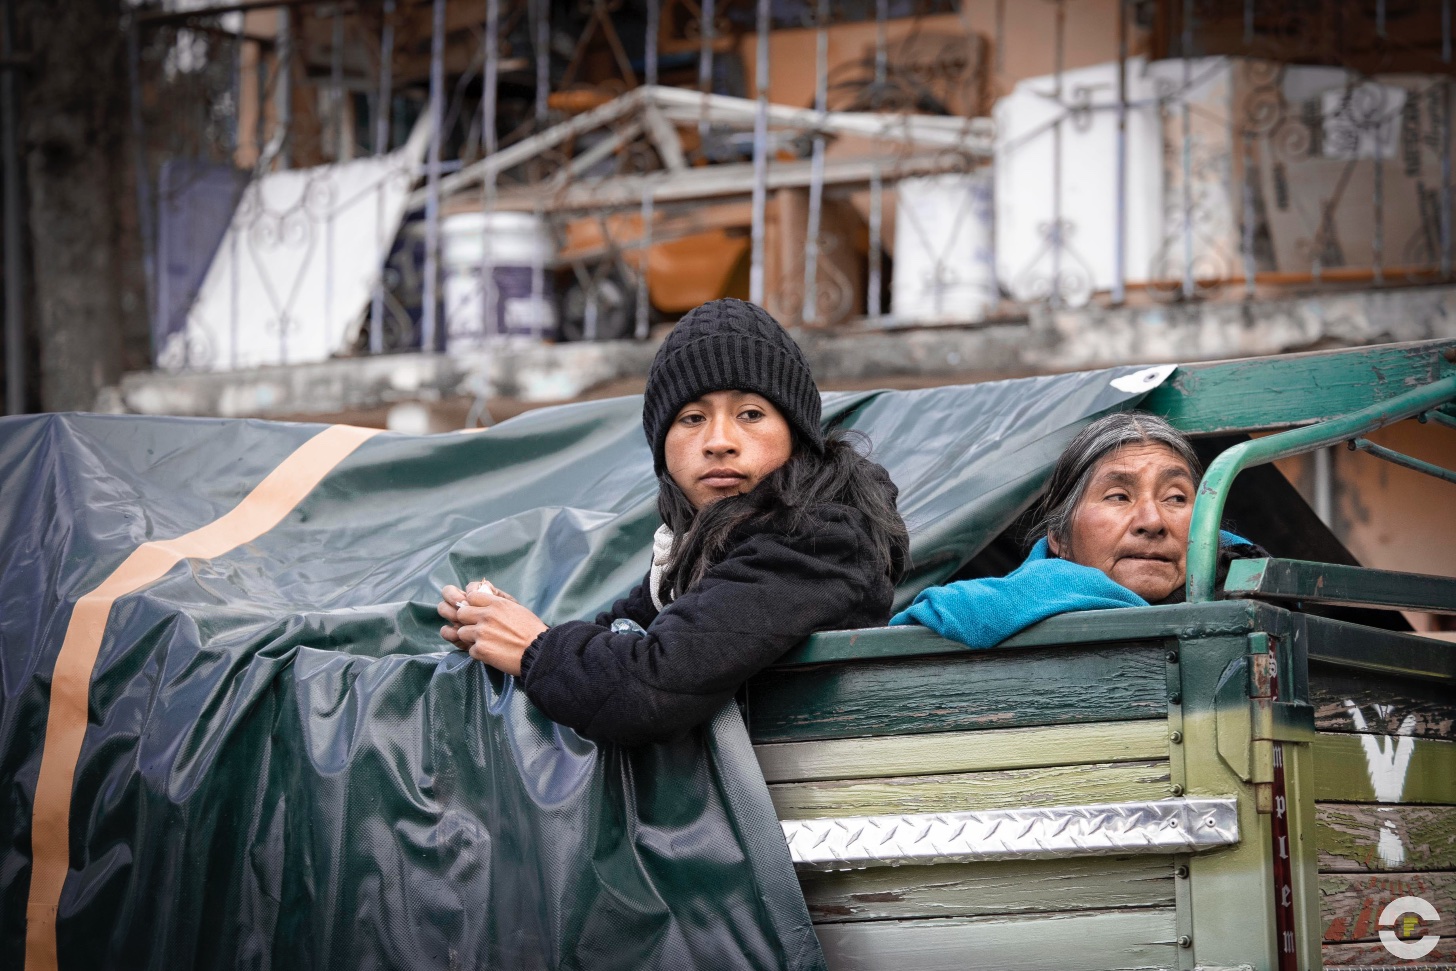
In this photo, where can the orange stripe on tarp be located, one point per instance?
(262, 509)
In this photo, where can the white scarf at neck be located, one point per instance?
(661, 550)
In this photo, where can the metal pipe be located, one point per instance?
(14, 266)
(1324, 506)
(1213, 490)
(382, 109)
(145, 213)
(706, 37)
(810, 311)
(1446, 31)
(260, 116)
(1000, 39)
(1187, 195)
(540, 12)
(336, 82)
(1058, 238)
(235, 132)
(235, 294)
(1250, 265)
(541, 38)
(283, 91)
(428, 339)
(644, 296)
(1377, 239)
(882, 45)
(872, 294)
(760, 158)
(1446, 143)
(1401, 459)
(649, 46)
(1248, 21)
(490, 312)
(1119, 245)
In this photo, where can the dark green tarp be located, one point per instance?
(284, 768)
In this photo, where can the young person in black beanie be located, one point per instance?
(772, 530)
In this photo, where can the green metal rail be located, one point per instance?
(1208, 506)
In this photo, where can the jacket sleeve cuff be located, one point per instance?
(532, 652)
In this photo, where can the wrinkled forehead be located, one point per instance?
(1139, 460)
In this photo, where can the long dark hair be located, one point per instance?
(784, 499)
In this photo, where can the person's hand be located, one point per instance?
(489, 623)
(453, 598)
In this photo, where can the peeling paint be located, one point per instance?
(1387, 760)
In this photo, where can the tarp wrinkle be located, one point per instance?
(281, 765)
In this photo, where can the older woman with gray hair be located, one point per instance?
(1113, 533)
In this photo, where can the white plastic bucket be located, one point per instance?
(518, 247)
(945, 267)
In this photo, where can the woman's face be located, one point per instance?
(724, 444)
(1132, 522)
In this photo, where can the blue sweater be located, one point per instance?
(983, 613)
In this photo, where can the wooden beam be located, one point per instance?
(528, 148)
(1355, 838)
(1082, 627)
(939, 753)
(1351, 586)
(1373, 954)
(974, 136)
(1071, 942)
(1385, 706)
(1010, 789)
(714, 182)
(1384, 652)
(984, 889)
(1384, 769)
(968, 691)
(1350, 903)
(664, 137)
(1263, 394)
(969, 136)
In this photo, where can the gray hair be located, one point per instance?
(1079, 459)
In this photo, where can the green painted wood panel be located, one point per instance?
(980, 889)
(1080, 627)
(1352, 838)
(1384, 768)
(1046, 686)
(1066, 785)
(1387, 706)
(944, 752)
(1054, 942)
(1276, 392)
(1350, 903)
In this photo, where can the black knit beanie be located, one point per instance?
(730, 345)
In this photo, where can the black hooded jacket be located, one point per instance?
(774, 587)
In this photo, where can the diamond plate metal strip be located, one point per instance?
(1167, 826)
